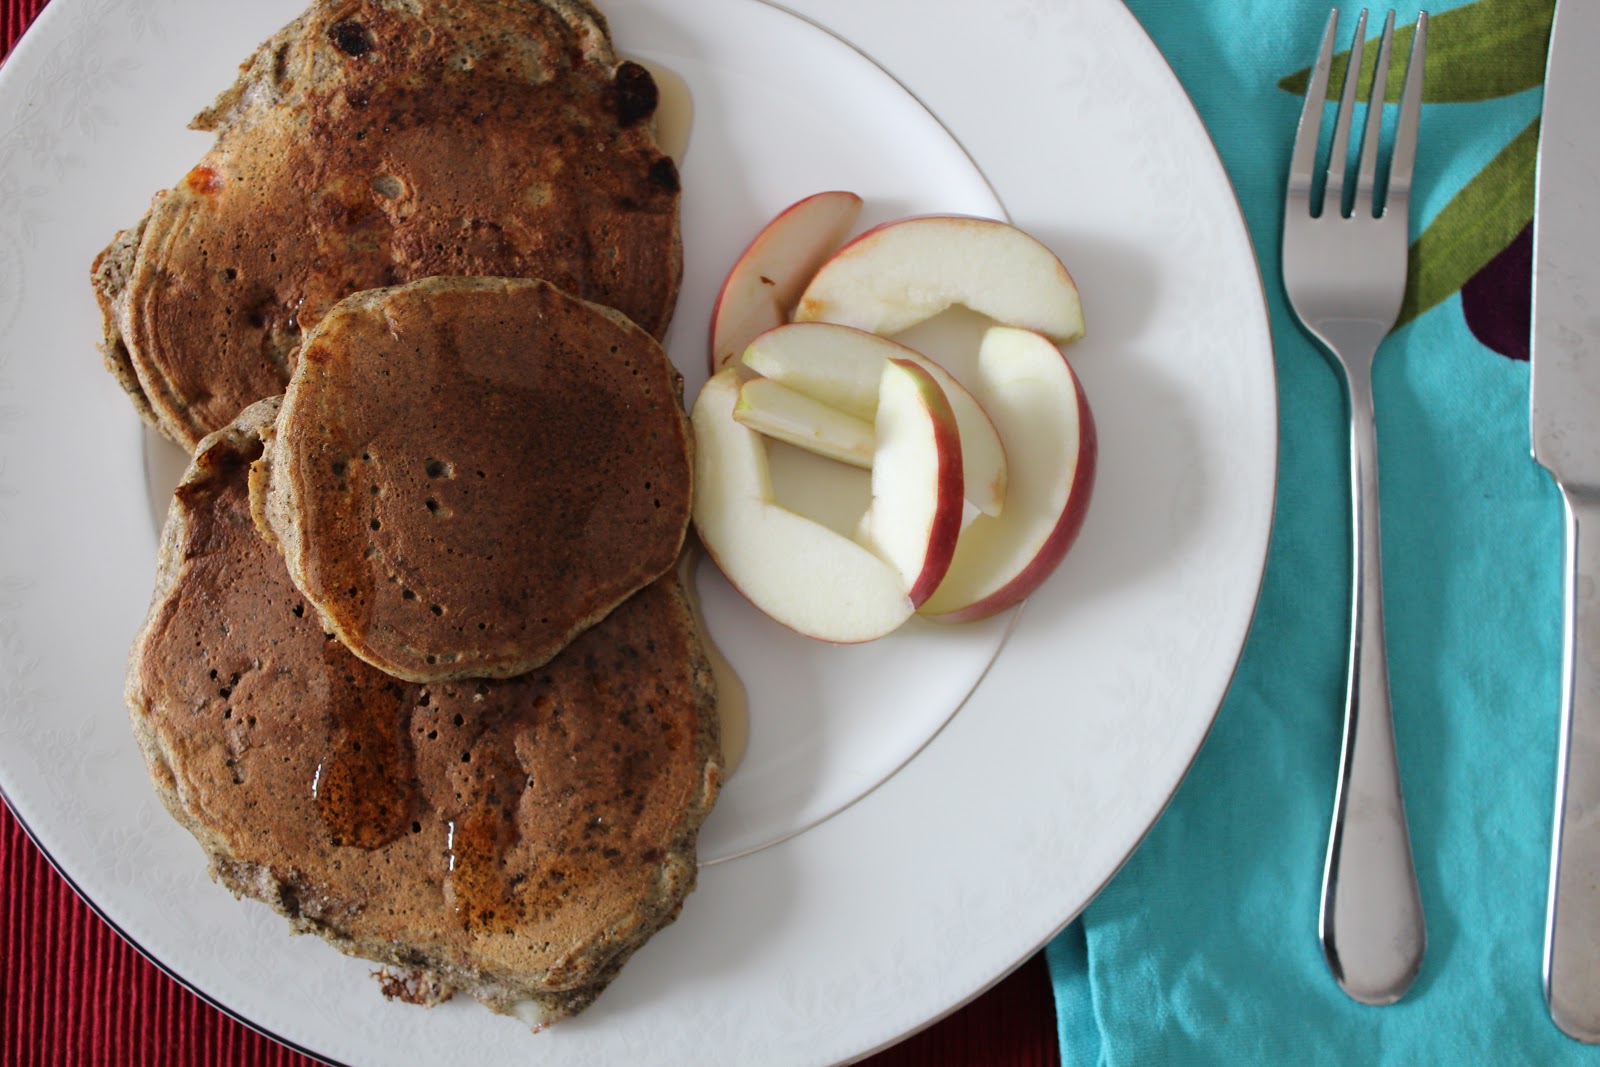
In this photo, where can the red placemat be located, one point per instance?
(73, 992)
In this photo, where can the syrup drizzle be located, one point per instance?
(364, 784)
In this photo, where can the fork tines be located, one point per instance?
(1307, 137)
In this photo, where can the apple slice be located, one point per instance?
(764, 283)
(914, 520)
(779, 412)
(842, 366)
(1035, 399)
(900, 273)
(807, 577)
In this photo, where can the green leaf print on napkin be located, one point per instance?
(1477, 52)
(1479, 221)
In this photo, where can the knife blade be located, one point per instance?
(1565, 423)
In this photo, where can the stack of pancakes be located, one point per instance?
(420, 672)
(376, 142)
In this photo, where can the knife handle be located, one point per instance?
(1373, 932)
(1572, 924)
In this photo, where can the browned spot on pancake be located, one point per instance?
(664, 173)
(636, 94)
(351, 38)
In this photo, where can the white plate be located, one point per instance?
(942, 848)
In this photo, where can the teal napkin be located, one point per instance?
(1204, 948)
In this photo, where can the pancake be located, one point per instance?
(514, 840)
(469, 472)
(375, 142)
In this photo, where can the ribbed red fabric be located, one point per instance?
(73, 992)
(14, 18)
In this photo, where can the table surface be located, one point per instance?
(72, 991)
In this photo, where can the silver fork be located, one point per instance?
(1346, 276)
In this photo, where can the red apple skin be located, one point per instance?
(952, 487)
(849, 246)
(1061, 537)
(821, 254)
(722, 392)
(808, 311)
(872, 231)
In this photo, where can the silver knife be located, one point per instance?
(1566, 440)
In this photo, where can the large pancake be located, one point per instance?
(468, 472)
(515, 840)
(374, 142)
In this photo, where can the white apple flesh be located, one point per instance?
(842, 367)
(809, 578)
(900, 273)
(1039, 407)
(765, 282)
(914, 520)
(779, 412)
(838, 365)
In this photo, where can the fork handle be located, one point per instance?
(1572, 928)
(1372, 926)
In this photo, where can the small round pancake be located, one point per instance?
(375, 142)
(469, 472)
(514, 840)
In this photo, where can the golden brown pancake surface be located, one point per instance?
(374, 142)
(466, 473)
(516, 840)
